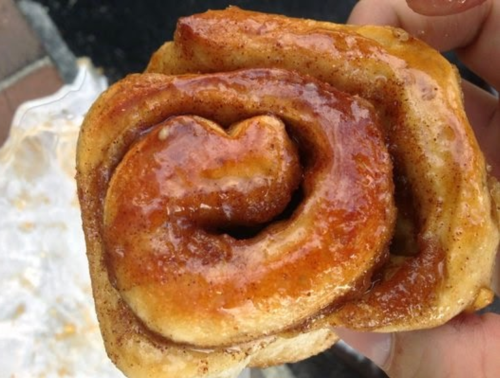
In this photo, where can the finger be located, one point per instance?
(376, 12)
(483, 111)
(482, 55)
(375, 346)
(474, 31)
(443, 33)
(468, 346)
(442, 7)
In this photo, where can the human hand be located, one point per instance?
(469, 345)
(472, 28)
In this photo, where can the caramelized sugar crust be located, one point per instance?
(168, 196)
(240, 115)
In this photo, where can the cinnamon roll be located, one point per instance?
(268, 179)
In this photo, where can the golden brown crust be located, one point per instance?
(148, 193)
(284, 292)
(167, 199)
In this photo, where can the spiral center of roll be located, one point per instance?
(242, 177)
(183, 186)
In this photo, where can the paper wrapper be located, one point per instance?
(48, 326)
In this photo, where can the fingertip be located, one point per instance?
(373, 12)
(375, 346)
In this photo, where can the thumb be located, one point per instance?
(467, 346)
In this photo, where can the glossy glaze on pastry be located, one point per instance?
(239, 199)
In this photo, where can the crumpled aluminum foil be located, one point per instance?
(48, 326)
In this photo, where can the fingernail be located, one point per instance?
(375, 346)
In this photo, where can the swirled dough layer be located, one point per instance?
(239, 118)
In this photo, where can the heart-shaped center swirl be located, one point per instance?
(186, 183)
(191, 173)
